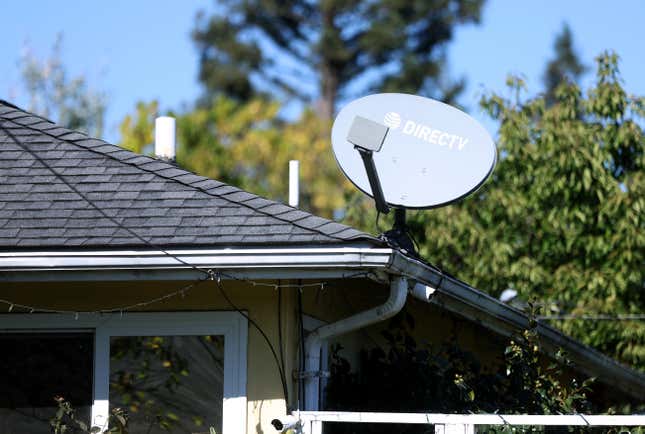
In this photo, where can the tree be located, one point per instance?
(402, 374)
(565, 66)
(329, 49)
(562, 217)
(53, 94)
(137, 130)
(247, 145)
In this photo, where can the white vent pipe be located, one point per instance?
(294, 183)
(165, 137)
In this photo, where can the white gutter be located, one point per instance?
(313, 343)
(316, 262)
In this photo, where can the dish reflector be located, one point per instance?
(426, 153)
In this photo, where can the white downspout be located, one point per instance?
(313, 343)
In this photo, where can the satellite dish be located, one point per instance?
(407, 151)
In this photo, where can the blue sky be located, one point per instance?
(141, 50)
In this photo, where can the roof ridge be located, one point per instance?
(80, 139)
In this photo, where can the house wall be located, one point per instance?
(337, 300)
(264, 390)
(433, 325)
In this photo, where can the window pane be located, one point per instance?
(35, 368)
(168, 383)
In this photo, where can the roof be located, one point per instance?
(45, 207)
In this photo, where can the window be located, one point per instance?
(35, 368)
(172, 372)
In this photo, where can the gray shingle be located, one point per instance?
(276, 208)
(155, 200)
(189, 178)
(73, 135)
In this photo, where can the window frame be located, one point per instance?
(231, 325)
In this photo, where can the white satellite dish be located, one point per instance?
(420, 152)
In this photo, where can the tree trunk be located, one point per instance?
(329, 91)
(328, 71)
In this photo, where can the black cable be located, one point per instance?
(408, 231)
(148, 243)
(283, 379)
(378, 215)
(280, 343)
(301, 384)
(103, 213)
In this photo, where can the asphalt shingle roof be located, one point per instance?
(161, 203)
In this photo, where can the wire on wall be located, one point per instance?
(218, 279)
(209, 274)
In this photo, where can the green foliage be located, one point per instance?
(246, 144)
(537, 389)
(318, 50)
(52, 94)
(562, 217)
(405, 376)
(137, 130)
(66, 421)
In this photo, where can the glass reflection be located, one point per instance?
(168, 383)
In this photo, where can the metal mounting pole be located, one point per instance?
(399, 218)
(375, 184)
(398, 236)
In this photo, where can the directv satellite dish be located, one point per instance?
(407, 151)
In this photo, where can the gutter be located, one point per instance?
(313, 343)
(310, 262)
(457, 297)
(256, 263)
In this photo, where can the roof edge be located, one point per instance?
(297, 262)
(466, 301)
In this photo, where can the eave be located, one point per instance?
(257, 263)
(468, 302)
(311, 262)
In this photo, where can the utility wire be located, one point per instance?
(218, 280)
(301, 332)
(93, 205)
(181, 291)
(280, 342)
(623, 317)
(208, 273)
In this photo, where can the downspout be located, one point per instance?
(313, 343)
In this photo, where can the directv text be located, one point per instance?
(434, 136)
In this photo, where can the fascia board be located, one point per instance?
(470, 303)
(270, 262)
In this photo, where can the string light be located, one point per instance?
(209, 274)
(181, 292)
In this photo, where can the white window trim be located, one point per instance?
(231, 325)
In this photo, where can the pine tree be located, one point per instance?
(322, 51)
(565, 66)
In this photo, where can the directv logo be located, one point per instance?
(392, 120)
(423, 132)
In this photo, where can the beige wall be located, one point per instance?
(432, 324)
(264, 392)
